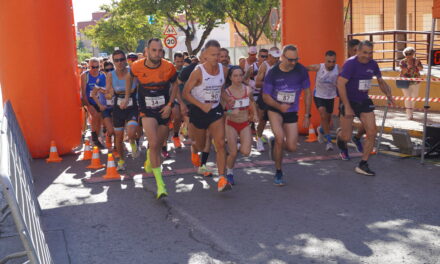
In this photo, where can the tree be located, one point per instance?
(184, 14)
(121, 30)
(253, 15)
(81, 53)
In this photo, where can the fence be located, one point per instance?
(17, 187)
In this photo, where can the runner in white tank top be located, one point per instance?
(210, 89)
(324, 94)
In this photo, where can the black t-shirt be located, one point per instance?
(186, 72)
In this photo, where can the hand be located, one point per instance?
(165, 111)
(206, 107)
(183, 109)
(390, 100)
(306, 122)
(230, 101)
(284, 107)
(101, 107)
(124, 104)
(348, 111)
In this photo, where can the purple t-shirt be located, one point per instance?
(286, 87)
(359, 77)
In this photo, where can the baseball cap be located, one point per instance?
(252, 50)
(275, 53)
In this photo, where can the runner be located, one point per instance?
(89, 79)
(224, 58)
(274, 56)
(177, 115)
(252, 57)
(237, 119)
(156, 93)
(281, 92)
(132, 57)
(127, 117)
(324, 94)
(353, 86)
(204, 92)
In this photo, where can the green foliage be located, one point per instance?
(207, 13)
(253, 15)
(120, 29)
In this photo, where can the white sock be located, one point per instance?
(229, 171)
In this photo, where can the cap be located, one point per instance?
(132, 55)
(252, 50)
(275, 53)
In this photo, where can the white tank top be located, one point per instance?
(209, 91)
(325, 85)
(268, 67)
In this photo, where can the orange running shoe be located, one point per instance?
(223, 184)
(116, 154)
(176, 141)
(195, 158)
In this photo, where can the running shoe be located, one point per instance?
(271, 142)
(321, 138)
(260, 145)
(344, 155)
(203, 170)
(223, 184)
(195, 159)
(230, 178)
(165, 154)
(278, 179)
(328, 146)
(121, 165)
(176, 142)
(358, 144)
(264, 139)
(364, 169)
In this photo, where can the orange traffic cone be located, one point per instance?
(87, 155)
(53, 155)
(312, 135)
(111, 172)
(108, 142)
(96, 162)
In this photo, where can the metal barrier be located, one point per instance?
(17, 187)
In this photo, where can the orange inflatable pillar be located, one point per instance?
(38, 72)
(314, 26)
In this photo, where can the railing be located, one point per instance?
(389, 44)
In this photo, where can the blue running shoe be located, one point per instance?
(344, 155)
(230, 178)
(358, 144)
(278, 180)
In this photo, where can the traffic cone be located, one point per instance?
(108, 142)
(312, 135)
(87, 155)
(53, 155)
(111, 172)
(96, 162)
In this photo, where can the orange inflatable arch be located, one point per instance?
(38, 62)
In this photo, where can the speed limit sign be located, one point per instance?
(170, 41)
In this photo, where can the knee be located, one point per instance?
(371, 133)
(291, 147)
(232, 153)
(279, 140)
(219, 144)
(245, 152)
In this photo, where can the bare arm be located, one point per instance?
(342, 90)
(109, 86)
(194, 79)
(313, 67)
(259, 80)
(308, 101)
(385, 88)
(83, 90)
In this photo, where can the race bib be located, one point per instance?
(109, 102)
(154, 102)
(364, 85)
(130, 101)
(286, 97)
(212, 96)
(241, 103)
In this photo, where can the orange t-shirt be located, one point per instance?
(154, 78)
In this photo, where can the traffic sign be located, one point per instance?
(170, 41)
(170, 30)
(274, 19)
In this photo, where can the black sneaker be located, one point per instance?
(364, 169)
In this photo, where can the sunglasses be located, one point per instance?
(264, 56)
(120, 60)
(94, 67)
(108, 70)
(291, 59)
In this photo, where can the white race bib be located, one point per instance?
(286, 97)
(154, 102)
(241, 103)
(364, 85)
(212, 95)
(130, 101)
(110, 102)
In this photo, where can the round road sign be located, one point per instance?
(170, 41)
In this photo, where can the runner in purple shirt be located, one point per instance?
(282, 89)
(354, 83)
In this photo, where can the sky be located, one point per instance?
(83, 9)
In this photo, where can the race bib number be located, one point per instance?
(212, 96)
(154, 102)
(130, 101)
(286, 97)
(241, 103)
(109, 102)
(364, 85)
